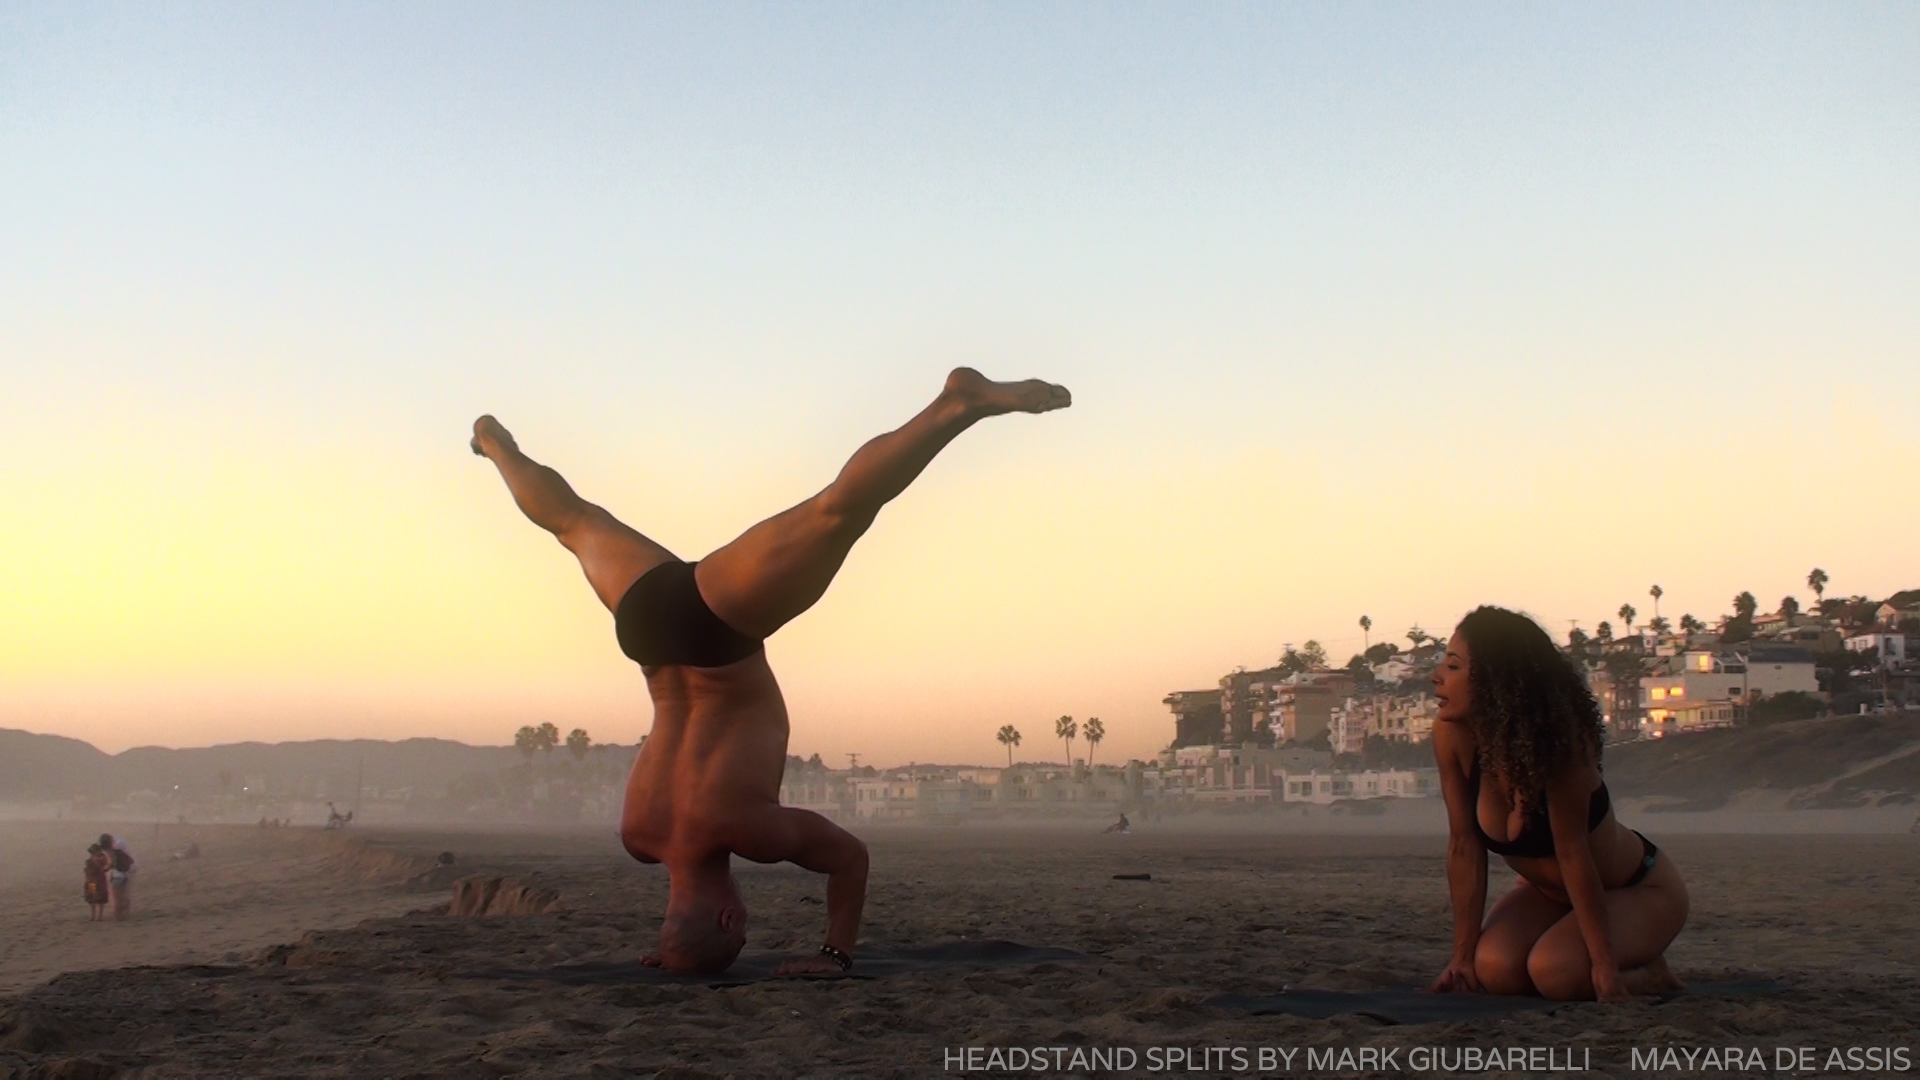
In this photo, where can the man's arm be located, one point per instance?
(811, 842)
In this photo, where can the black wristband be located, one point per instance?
(838, 957)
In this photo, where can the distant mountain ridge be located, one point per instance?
(36, 767)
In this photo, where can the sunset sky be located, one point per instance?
(1381, 309)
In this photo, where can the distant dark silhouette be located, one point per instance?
(99, 892)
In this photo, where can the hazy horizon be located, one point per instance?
(1366, 310)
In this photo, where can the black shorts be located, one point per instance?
(663, 619)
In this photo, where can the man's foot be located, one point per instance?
(489, 437)
(1651, 980)
(982, 396)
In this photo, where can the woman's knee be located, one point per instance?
(1561, 973)
(1501, 967)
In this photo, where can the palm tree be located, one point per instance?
(1817, 581)
(1314, 654)
(1627, 615)
(527, 740)
(1691, 625)
(1789, 607)
(578, 743)
(1418, 636)
(1095, 732)
(1366, 628)
(1603, 633)
(549, 736)
(1065, 728)
(1009, 737)
(1745, 605)
(1656, 592)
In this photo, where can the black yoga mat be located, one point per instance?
(872, 962)
(1406, 1005)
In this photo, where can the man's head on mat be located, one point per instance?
(1529, 709)
(705, 925)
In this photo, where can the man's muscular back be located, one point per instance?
(715, 756)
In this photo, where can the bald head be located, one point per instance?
(705, 926)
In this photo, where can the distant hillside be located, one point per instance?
(49, 767)
(1841, 761)
(36, 767)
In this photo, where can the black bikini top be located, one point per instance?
(1535, 840)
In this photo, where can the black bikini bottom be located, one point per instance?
(1649, 853)
(663, 619)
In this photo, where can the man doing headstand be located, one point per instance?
(706, 785)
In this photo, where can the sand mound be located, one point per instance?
(1828, 763)
(487, 894)
(22, 1029)
(366, 861)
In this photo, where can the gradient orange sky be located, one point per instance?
(1375, 312)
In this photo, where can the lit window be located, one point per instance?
(1659, 693)
(1679, 691)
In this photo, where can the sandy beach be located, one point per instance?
(307, 954)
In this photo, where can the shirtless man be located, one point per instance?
(706, 785)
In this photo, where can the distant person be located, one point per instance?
(1122, 826)
(706, 785)
(98, 891)
(120, 874)
(1518, 743)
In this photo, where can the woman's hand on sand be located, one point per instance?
(809, 965)
(1608, 987)
(650, 960)
(1459, 978)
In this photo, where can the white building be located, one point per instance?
(1707, 688)
(1321, 788)
(1890, 648)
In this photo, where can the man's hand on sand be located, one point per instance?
(809, 965)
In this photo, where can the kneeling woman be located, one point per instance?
(1518, 741)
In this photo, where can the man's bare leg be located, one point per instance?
(782, 566)
(613, 555)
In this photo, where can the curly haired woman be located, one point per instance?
(1518, 742)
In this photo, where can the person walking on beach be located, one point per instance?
(98, 893)
(1518, 744)
(120, 875)
(706, 784)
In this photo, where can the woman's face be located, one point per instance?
(1450, 683)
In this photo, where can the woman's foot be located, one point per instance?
(489, 437)
(981, 396)
(1651, 980)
